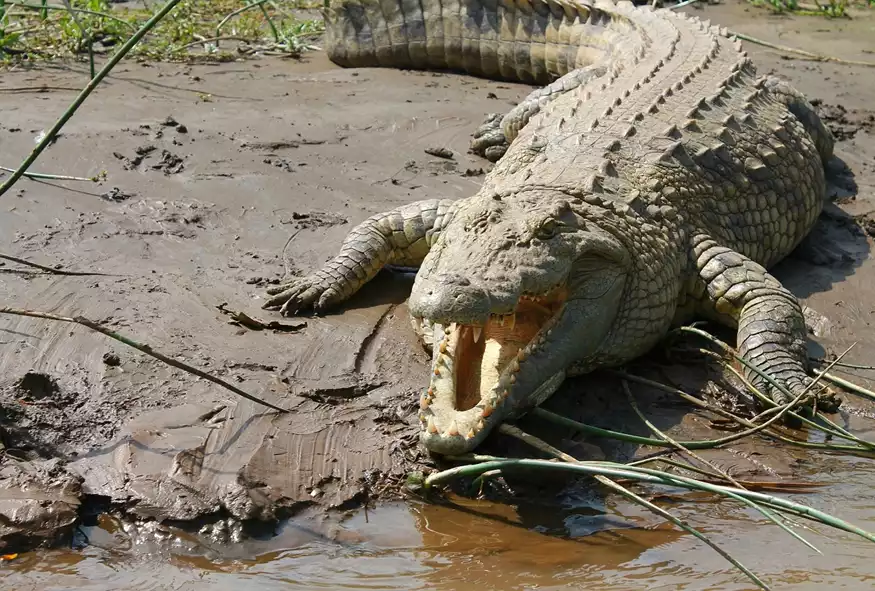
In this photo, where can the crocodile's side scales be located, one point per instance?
(652, 179)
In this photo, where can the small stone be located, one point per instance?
(117, 195)
(440, 152)
(111, 359)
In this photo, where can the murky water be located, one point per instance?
(591, 541)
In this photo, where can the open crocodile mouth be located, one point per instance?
(476, 367)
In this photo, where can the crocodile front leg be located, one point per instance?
(771, 328)
(401, 236)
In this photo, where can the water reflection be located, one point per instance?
(591, 542)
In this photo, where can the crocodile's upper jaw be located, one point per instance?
(476, 369)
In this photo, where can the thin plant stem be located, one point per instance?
(741, 421)
(50, 269)
(851, 387)
(832, 428)
(665, 436)
(231, 15)
(609, 434)
(611, 469)
(143, 348)
(474, 458)
(774, 501)
(750, 365)
(536, 442)
(214, 40)
(772, 382)
(683, 525)
(541, 445)
(89, 88)
(46, 7)
(53, 177)
(704, 444)
(725, 475)
(842, 364)
(807, 54)
(267, 17)
(86, 35)
(779, 486)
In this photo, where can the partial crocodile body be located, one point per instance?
(652, 180)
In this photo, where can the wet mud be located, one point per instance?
(222, 180)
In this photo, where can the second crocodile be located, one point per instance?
(653, 179)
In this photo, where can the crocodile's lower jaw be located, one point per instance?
(476, 369)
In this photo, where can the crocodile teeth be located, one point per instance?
(487, 409)
(432, 428)
(424, 402)
(511, 321)
(452, 327)
(453, 430)
(478, 330)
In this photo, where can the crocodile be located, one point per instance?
(651, 178)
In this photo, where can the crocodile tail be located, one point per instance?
(531, 41)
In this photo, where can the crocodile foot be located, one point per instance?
(819, 396)
(489, 139)
(312, 291)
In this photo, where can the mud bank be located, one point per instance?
(222, 180)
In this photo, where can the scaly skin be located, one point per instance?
(652, 180)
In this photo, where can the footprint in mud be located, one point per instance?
(170, 163)
(314, 219)
(844, 124)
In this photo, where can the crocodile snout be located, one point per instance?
(446, 298)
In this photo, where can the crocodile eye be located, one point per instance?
(547, 229)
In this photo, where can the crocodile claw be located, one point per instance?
(297, 295)
(489, 139)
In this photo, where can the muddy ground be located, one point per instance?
(223, 179)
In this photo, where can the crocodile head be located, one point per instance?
(520, 288)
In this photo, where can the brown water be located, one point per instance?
(589, 541)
